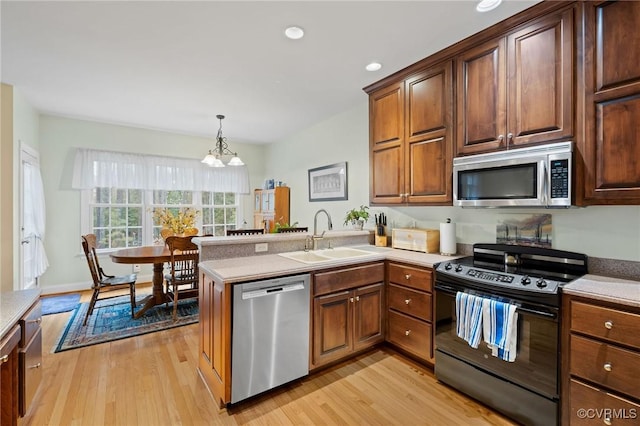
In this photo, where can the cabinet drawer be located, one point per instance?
(411, 277)
(30, 323)
(410, 302)
(605, 364)
(584, 397)
(410, 334)
(30, 371)
(347, 278)
(613, 325)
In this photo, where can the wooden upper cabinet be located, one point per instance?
(611, 149)
(386, 133)
(481, 94)
(410, 139)
(517, 90)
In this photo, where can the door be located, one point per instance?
(33, 260)
(368, 323)
(332, 327)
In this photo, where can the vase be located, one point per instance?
(188, 232)
(357, 224)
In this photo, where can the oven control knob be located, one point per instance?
(541, 283)
(447, 266)
(525, 280)
(458, 268)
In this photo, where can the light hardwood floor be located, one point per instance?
(152, 380)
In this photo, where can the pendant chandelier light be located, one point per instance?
(214, 157)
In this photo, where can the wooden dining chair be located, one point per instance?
(294, 229)
(103, 283)
(257, 231)
(182, 281)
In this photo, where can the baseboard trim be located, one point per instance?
(82, 286)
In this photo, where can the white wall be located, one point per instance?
(609, 232)
(58, 139)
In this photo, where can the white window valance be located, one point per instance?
(107, 169)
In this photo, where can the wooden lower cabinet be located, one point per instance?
(347, 312)
(602, 362)
(9, 377)
(409, 309)
(214, 359)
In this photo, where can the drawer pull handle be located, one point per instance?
(408, 276)
(608, 325)
(38, 365)
(608, 366)
(407, 301)
(37, 321)
(407, 332)
(607, 421)
(4, 358)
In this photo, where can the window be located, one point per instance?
(117, 217)
(219, 212)
(123, 218)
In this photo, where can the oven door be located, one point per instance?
(536, 364)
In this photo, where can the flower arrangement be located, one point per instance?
(176, 220)
(355, 215)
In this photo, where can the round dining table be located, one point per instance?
(157, 255)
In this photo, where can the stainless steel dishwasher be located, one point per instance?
(270, 334)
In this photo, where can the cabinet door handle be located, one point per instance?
(501, 138)
(407, 276)
(38, 365)
(608, 325)
(4, 358)
(510, 136)
(357, 298)
(608, 366)
(407, 332)
(407, 301)
(351, 299)
(607, 421)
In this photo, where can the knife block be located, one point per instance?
(381, 240)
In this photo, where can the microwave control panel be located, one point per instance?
(560, 178)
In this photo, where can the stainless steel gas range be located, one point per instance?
(529, 278)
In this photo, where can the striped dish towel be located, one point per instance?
(500, 328)
(469, 315)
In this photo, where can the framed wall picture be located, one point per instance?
(328, 183)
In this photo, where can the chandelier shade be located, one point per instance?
(214, 157)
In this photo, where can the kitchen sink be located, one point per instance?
(325, 255)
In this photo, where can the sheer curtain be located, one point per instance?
(108, 169)
(34, 224)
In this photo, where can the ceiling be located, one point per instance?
(174, 65)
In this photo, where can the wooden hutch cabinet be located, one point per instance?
(271, 206)
(611, 150)
(411, 139)
(517, 89)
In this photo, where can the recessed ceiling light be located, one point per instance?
(373, 66)
(487, 5)
(294, 33)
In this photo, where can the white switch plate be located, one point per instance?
(261, 247)
(136, 268)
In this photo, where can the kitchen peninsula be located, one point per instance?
(347, 300)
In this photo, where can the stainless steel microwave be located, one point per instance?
(538, 176)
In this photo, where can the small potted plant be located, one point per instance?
(357, 217)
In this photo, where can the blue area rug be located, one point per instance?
(111, 320)
(57, 304)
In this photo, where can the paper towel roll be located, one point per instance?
(448, 238)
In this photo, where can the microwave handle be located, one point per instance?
(545, 183)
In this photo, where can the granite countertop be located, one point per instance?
(14, 304)
(250, 268)
(624, 292)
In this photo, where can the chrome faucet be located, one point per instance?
(315, 236)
